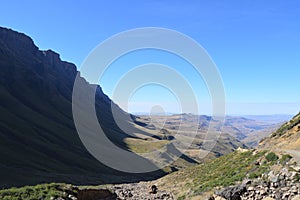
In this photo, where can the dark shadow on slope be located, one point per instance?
(38, 139)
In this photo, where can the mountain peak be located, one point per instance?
(17, 41)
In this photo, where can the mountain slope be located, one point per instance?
(38, 139)
(286, 137)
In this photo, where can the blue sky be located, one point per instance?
(255, 44)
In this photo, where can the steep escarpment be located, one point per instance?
(38, 139)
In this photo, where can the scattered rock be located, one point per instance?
(233, 193)
(272, 186)
(138, 191)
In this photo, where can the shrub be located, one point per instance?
(271, 157)
(297, 177)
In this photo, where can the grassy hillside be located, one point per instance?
(45, 191)
(223, 171)
(272, 155)
(192, 182)
(220, 172)
(57, 191)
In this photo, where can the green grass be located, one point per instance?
(143, 146)
(181, 197)
(223, 171)
(42, 191)
(226, 171)
(271, 157)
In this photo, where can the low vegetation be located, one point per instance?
(221, 172)
(285, 158)
(42, 191)
(144, 146)
(271, 157)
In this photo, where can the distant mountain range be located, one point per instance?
(249, 131)
(278, 118)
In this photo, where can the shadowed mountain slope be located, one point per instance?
(38, 139)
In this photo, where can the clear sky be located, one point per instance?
(255, 44)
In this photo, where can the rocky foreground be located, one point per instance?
(272, 186)
(132, 191)
(139, 191)
(283, 185)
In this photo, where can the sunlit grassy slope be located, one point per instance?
(223, 171)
